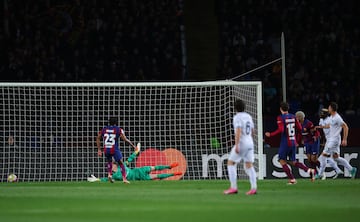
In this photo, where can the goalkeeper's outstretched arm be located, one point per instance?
(132, 157)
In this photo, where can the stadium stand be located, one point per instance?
(90, 40)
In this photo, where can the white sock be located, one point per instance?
(343, 162)
(252, 177)
(232, 176)
(322, 161)
(333, 164)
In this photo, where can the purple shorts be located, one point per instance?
(312, 148)
(116, 154)
(287, 153)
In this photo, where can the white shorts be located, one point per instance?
(332, 147)
(246, 154)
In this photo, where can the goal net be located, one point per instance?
(48, 130)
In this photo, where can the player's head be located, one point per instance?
(239, 105)
(300, 116)
(324, 113)
(113, 121)
(114, 167)
(333, 107)
(284, 107)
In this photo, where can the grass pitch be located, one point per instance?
(185, 201)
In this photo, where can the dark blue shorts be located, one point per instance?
(287, 153)
(312, 148)
(116, 154)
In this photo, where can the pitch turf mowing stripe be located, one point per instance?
(179, 201)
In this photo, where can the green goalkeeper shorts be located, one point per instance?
(140, 173)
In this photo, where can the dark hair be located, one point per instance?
(284, 106)
(239, 105)
(113, 121)
(334, 106)
(324, 113)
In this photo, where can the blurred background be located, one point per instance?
(192, 40)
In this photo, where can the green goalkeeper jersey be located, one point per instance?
(141, 173)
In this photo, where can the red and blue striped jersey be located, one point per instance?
(110, 135)
(290, 129)
(307, 135)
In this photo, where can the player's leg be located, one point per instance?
(342, 161)
(143, 173)
(309, 160)
(334, 165)
(315, 165)
(313, 160)
(164, 175)
(118, 159)
(163, 167)
(308, 151)
(234, 158)
(315, 153)
(283, 153)
(108, 156)
(323, 159)
(250, 171)
(302, 166)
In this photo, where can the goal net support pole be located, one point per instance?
(48, 130)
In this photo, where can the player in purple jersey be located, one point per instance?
(111, 135)
(290, 130)
(310, 139)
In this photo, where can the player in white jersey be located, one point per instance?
(325, 120)
(332, 146)
(243, 149)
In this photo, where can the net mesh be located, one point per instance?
(49, 131)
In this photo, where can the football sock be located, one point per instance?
(161, 167)
(322, 160)
(312, 164)
(252, 177)
(123, 171)
(164, 175)
(343, 162)
(301, 166)
(232, 176)
(288, 172)
(333, 164)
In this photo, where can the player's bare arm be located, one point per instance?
(123, 137)
(237, 139)
(345, 134)
(327, 126)
(98, 138)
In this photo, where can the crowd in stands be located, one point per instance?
(124, 40)
(90, 40)
(322, 50)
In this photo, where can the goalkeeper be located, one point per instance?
(138, 173)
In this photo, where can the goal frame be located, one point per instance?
(257, 84)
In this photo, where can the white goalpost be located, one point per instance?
(48, 130)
